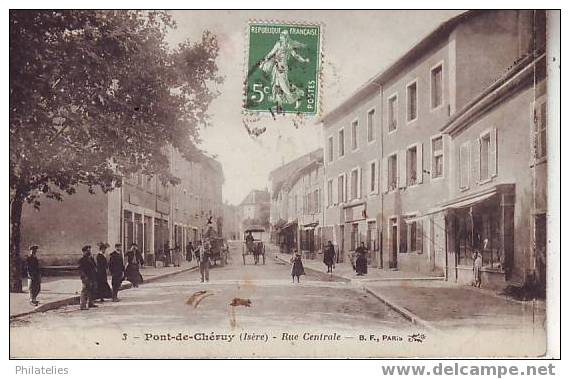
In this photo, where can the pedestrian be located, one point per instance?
(477, 266)
(34, 275)
(204, 261)
(88, 275)
(189, 251)
(139, 257)
(117, 270)
(328, 257)
(176, 256)
(297, 268)
(361, 260)
(103, 289)
(132, 271)
(197, 252)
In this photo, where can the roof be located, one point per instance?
(281, 174)
(520, 73)
(438, 34)
(256, 197)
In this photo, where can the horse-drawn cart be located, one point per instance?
(254, 245)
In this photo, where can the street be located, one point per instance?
(173, 305)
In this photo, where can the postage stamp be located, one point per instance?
(284, 65)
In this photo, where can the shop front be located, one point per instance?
(482, 223)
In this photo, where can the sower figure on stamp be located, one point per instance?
(88, 275)
(117, 270)
(297, 268)
(276, 65)
(33, 270)
(328, 257)
(103, 289)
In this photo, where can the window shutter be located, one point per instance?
(420, 163)
(419, 236)
(348, 181)
(402, 169)
(360, 181)
(475, 155)
(385, 174)
(493, 153)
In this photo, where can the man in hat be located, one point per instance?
(33, 268)
(117, 270)
(88, 275)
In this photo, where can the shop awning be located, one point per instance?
(311, 225)
(472, 201)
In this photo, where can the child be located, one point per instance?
(297, 269)
(477, 266)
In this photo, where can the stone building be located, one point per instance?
(392, 149)
(143, 210)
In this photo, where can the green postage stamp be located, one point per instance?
(284, 63)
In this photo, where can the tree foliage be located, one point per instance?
(95, 95)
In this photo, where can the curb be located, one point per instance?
(73, 300)
(413, 318)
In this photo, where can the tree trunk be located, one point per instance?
(15, 237)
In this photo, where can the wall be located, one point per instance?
(61, 229)
(513, 124)
(359, 158)
(418, 198)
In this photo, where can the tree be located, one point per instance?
(95, 95)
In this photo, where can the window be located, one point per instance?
(437, 86)
(316, 201)
(354, 184)
(392, 172)
(404, 230)
(484, 162)
(464, 153)
(354, 237)
(412, 101)
(330, 149)
(540, 117)
(373, 177)
(341, 143)
(372, 236)
(392, 113)
(437, 157)
(330, 192)
(412, 166)
(354, 129)
(370, 125)
(341, 189)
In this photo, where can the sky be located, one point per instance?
(356, 46)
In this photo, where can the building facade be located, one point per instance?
(409, 109)
(156, 216)
(253, 211)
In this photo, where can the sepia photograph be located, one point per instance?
(283, 183)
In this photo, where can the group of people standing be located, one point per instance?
(93, 273)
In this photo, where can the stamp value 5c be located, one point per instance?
(283, 68)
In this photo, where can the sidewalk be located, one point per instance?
(57, 292)
(435, 304)
(345, 271)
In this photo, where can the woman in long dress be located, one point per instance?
(103, 289)
(132, 271)
(297, 268)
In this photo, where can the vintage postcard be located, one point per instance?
(284, 184)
